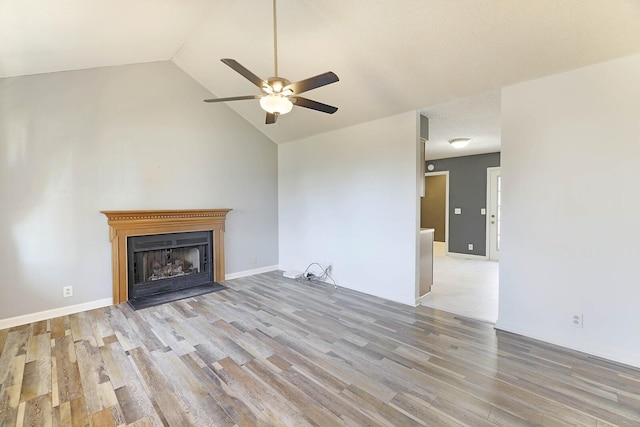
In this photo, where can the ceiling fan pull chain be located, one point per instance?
(275, 40)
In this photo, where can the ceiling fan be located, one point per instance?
(279, 95)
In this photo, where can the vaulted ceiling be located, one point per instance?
(391, 56)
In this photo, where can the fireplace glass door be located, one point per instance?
(168, 262)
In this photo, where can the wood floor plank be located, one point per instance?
(38, 412)
(377, 408)
(312, 412)
(420, 410)
(68, 375)
(274, 351)
(30, 381)
(62, 415)
(204, 408)
(58, 327)
(237, 409)
(37, 376)
(8, 413)
(97, 388)
(133, 397)
(101, 326)
(78, 412)
(103, 418)
(15, 345)
(455, 412)
(3, 338)
(12, 385)
(329, 399)
(272, 406)
(128, 402)
(167, 402)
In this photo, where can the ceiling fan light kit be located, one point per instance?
(459, 142)
(278, 94)
(276, 103)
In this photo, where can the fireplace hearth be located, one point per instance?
(165, 252)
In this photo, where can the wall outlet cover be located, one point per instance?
(457, 211)
(577, 320)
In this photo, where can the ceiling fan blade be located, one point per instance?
(271, 118)
(244, 72)
(312, 83)
(314, 105)
(233, 98)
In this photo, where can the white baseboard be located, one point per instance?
(56, 312)
(250, 272)
(419, 299)
(71, 309)
(612, 356)
(466, 256)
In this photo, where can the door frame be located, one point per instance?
(446, 204)
(488, 212)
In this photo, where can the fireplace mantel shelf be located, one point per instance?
(124, 224)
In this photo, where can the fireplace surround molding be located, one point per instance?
(124, 224)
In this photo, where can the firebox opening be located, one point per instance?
(164, 263)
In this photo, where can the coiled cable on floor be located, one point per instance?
(313, 277)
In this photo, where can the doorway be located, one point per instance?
(434, 209)
(464, 285)
(494, 219)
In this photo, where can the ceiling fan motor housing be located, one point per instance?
(276, 85)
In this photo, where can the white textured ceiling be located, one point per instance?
(41, 36)
(476, 117)
(391, 56)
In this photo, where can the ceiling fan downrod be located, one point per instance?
(275, 40)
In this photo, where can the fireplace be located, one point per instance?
(168, 249)
(168, 262)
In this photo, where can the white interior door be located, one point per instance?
(494, 188)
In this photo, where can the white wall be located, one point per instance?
(570, 171)
(348, 198)
(130, 137)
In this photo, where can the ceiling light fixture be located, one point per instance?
(459, 142)
(275, 103)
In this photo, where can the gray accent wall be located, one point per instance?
(467, 191)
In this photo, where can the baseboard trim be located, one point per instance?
(55, 312)
(467, 256)
(609, 356)
(250, 272)
(419, 299)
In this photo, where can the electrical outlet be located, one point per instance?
(576, 320)
(470, 246)
(67, 291)
(254, 259)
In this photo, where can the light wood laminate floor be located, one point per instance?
(272, 351)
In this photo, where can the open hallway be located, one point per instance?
(468, 287)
